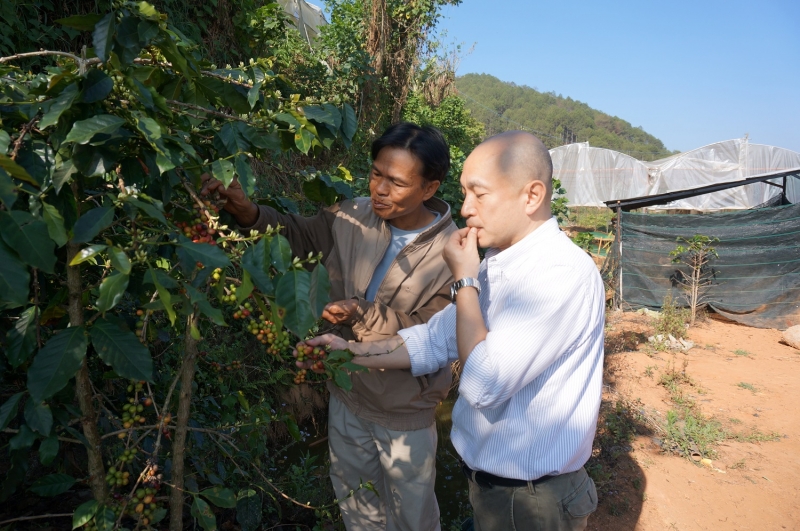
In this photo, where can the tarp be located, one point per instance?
(307, 18)
(756, 278)
(596, 175)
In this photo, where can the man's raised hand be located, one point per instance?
(237, 202)
(461, 253)
(341, 312)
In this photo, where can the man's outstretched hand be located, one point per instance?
(237, 202)
(330, 342)
(341, 312)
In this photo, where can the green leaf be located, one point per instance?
(120, 260)
(294, 429)
(91, 223)
(215, 314)
(63, 174)
(221, 497)
(103, 36)
(84, 513)
(166, 298)
(342, 379)
(149, 128)
(208, 255)
(318, 114)
(245, 174)
(204, 515)
(157, 276)
(349, 122)
(122, 350)
(48, 450)
(253, 93)
(292, 294)
(254, 262)
(148, 30)
(222, 171)
(111, 290)
(16, 171)
(86, 253)
(280, 253)
(57, 362)
(5, 142)
(303, 139)
(21, 339)
(22, 440)
(150, 210)
(8, 190)
(244, 291)
(39, 417)
(105, 520)
(61, 103)
(158, 515)
(28, 236)
(14, 279)
(248, 510)
(9, 410)
(80, 22)
(84, 130)
(97, 86)
(55, 224)
(319, 290)
(53, 485)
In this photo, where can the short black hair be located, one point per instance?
(426, 143)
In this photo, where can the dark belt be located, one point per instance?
(487, 480)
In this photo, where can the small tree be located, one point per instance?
(696, 253)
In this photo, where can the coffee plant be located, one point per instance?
(115, 274)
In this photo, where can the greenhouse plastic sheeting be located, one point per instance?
(306, 17)
(756, 278)
(589, 173)
(593, 175)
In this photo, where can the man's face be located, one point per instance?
(494, 204)
(396, 185)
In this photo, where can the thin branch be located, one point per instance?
(207, 111)
(86, 62)
(21, 518)
(25, 130)
(62, 439)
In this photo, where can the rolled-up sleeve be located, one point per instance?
(432, 346)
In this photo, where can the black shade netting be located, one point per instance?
(755, 280)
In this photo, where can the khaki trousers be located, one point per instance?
(400, 464)
(561, 503)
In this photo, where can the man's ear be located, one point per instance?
(535, 196)
(429, 188)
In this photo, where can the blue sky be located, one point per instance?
(690, 73)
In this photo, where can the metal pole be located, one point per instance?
(619, 257)
(783, 192)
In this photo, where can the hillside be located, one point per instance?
(501, 106)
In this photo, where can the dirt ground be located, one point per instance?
(742, 378)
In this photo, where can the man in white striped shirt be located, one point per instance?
(529, 335)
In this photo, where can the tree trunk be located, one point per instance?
(176, 497)
(83, 384)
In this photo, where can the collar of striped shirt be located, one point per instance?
(529, 393)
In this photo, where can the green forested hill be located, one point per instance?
(501, 106)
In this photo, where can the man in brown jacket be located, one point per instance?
(384, 258)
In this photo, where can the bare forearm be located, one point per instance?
(470, 328)
(384, 354)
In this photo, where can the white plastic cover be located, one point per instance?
(594, 175)
(306, 17)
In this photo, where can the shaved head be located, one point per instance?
(520, 157)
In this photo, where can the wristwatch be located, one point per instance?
(458, 284)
